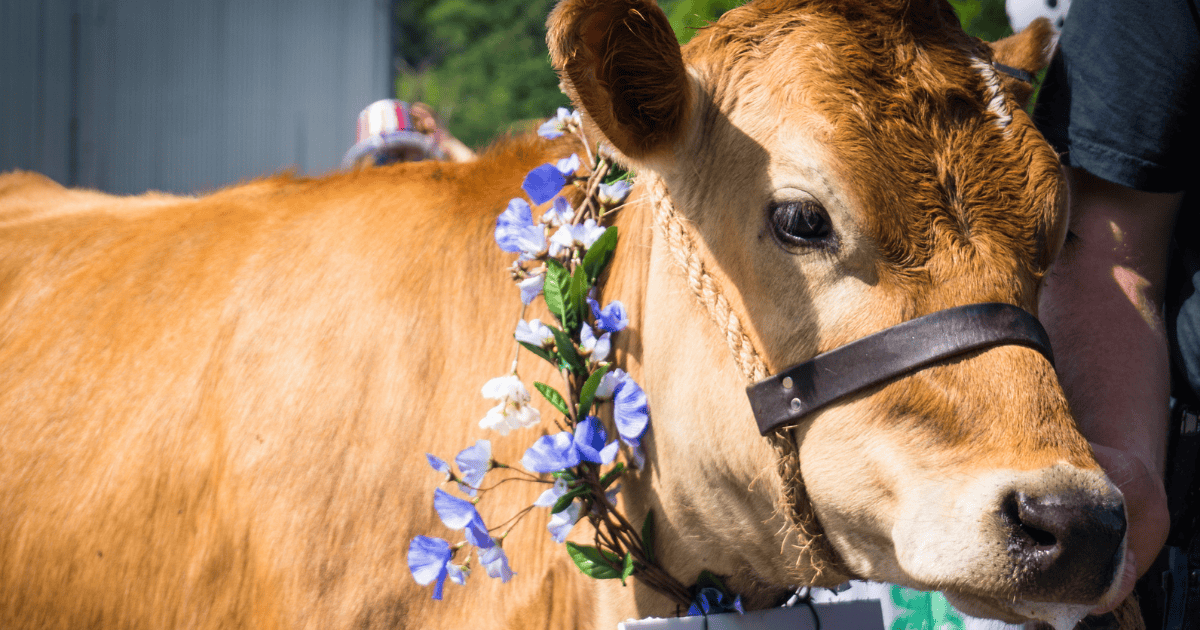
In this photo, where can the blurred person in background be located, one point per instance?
(390, 131)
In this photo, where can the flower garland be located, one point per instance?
(561, 258)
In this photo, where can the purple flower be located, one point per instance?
(459, 514)
(611, 318)
(596, 348)
(711, 601)
(609, 382)
(552, 453)
(439, 465)
(558, 125)
(474, 462)
(427, 559)
(495, 562)
(542, 183)
(516, 232)
(614, 193)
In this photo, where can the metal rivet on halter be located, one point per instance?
(787, 382)
(795, 404)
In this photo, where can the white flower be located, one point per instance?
(568, 236)
(531, 287)
(568, 165)
(560, 213)
(560, 524)
(595, 347)
(614, 193)
(514, 411)
(534, 332)
(551, 496)
(608, 383)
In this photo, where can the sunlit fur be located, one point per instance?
(215, 410)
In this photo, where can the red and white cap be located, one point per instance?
(384, 126)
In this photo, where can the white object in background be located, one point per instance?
(1022, 12)
(858, 615)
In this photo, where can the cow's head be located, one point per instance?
(836, 168)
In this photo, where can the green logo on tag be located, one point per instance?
(923, 611)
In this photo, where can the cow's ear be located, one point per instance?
(621, 65)
(1028, 51)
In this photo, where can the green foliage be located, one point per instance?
(552, 396)
(481, 64)
(483, 67)
(596, 563)
(984, 19)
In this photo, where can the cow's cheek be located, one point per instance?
(854, 480)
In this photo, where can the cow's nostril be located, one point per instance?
(1068, 538)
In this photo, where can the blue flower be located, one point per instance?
(596, 348)
(427, 559)
(614, 193)
(631, 414)
(568, 165)
(542, 183)
(459, 514)
(439, 464)
(474, 462)
(552, 453)
(531, 287)
(611, 318)
(495, 562)
(711, 601)
(516, 232)
(558, 125)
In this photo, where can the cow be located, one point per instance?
(216, 409)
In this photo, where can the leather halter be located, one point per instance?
(889, 354)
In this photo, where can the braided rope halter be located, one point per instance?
(707, 289)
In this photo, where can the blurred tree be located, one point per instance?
(483, 67)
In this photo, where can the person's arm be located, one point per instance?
(1102, 306)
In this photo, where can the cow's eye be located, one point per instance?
(800, 223)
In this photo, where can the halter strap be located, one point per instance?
(889, 354)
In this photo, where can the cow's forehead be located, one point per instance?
(911, 116)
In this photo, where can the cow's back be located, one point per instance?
(215, 410)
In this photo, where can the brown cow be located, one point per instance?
(215, 410)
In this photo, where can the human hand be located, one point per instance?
(1146, 511)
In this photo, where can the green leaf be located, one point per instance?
(577, 296)
(600, 254)
(588, 392)
(565, 500)
(566, 350)
(648, 535)
(541, 352)
(552, 395)
(555, 288)
(627, 570)
(593, 562)
(612, 475)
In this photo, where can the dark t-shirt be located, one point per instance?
(1120, 101)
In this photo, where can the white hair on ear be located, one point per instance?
(994, 92)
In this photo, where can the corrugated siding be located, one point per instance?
(185, 95)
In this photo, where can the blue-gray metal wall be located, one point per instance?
(186, 95)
